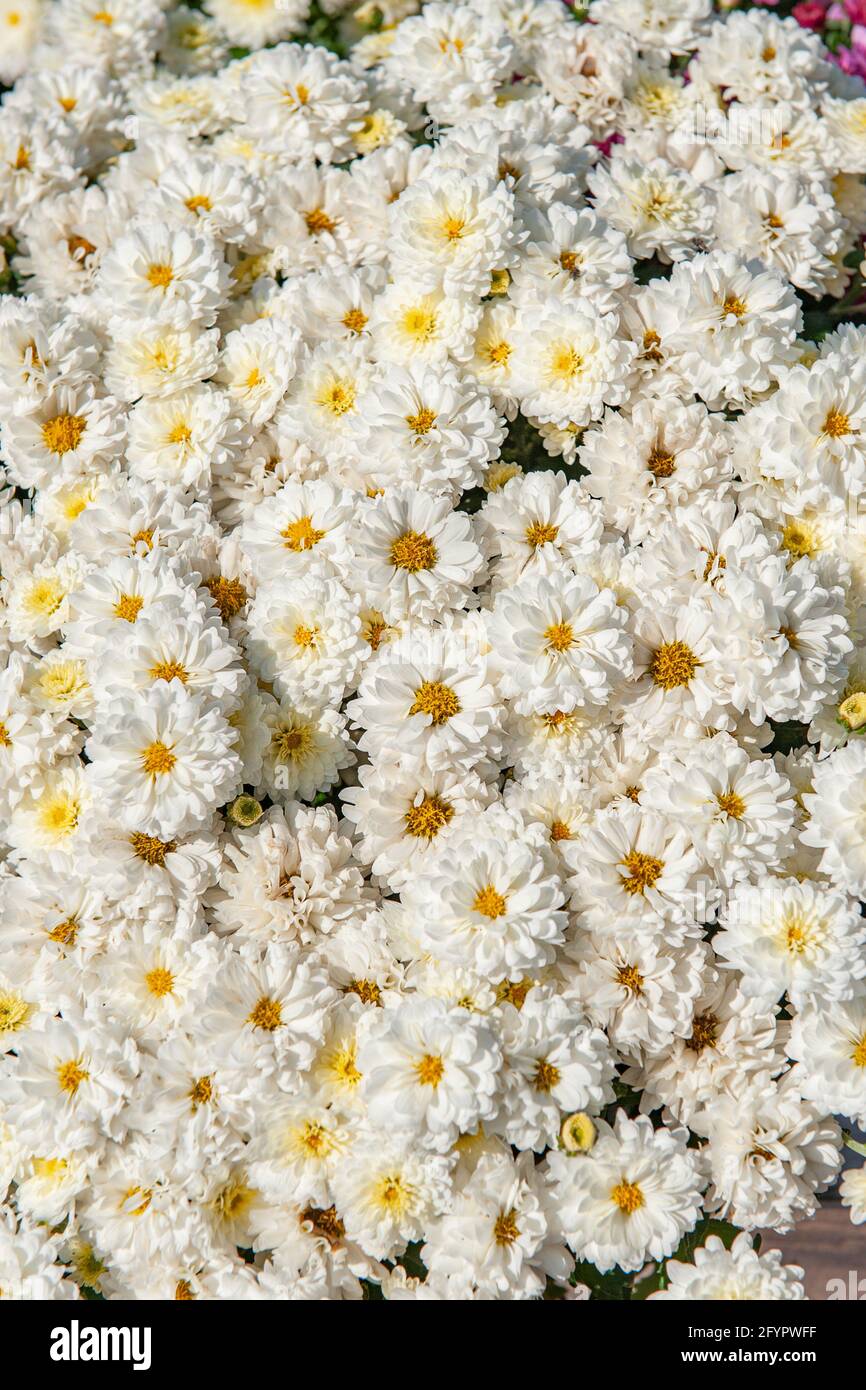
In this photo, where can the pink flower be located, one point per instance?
(856, 11)
(810, 14)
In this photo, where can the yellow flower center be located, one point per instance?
(705, 1030)
(559, 637)
(436, 700)
(301, 535)
(430, 1070)
(306, 637)
(731, 805)
(318, 221)
(505, 1228)
(733, 305)
(150, 849)
(489, 903)
(159, 276)
(157, 759)
(565, 362)
(266, 1014)
(201, 1092)
(836, 424)
(545, 1076)
(858, 1056)
(63, 433)
(413, 551)
(14, 1011)
(630, 978)
(367, 991)
(673, 664)
(453, 228)
(627, 1196)
(199, 202)
(541, 533)
(355, 320)
(422, 422)
(660, 463)
(425, 820)
(159, 981)
(70, 1076)
(852, 710)
(169, 671)
(338, 397)
(643, 871)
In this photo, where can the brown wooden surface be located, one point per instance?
(827, 1247)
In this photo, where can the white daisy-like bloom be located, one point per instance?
(425, 326)
(304, 746)
(432, 697)
(415, 555)
(267, 1009)
(640, 990)
(450, 231)
(786, 223)
(561, 802)
(162, 760)
(257, 364)
(664, 26)
(19, 25)
(29, 1261)
(289, 876)
(658, 457)
(804, 939)
(759, 58)
(852, 1191)
(736, 326)
(558, 641)
(298, 1145)
(769, 1154)
(426, 424)
(178, 439)
(300, 101)
(660, 209)
(739, 810)
(498, 1240)
(37, 600)
(258, 22)
(739, 1273)
(835, 807)
(399, 813)
(68, 431)
(569, 362)
(829, 1043)
(576, 254)
(729, 1036)
(146, 359)
(587, 69)
(452, 57)
(321, 406)
(638, 868)
(176, 650)
(304, 526)
(538, 524)
(306, 638)
(492, 898)
(555, 1062)
(166, 273)
(429, 1071)
(387, 1192)
(47, 823)
(632, 1198)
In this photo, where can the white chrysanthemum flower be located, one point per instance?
(568, 363)
(163, 760)
(660, 209)
(759, 58)
(167, 273)
(736, 326)
(660, 456)
(640, 990)
(429, 1071)
(770, 1153)
(408, 324)
(305, 526)
(852, 1191)
(451, 230)
(146, 359)
(738, 1273)
(414, 556)
(306, 638)
(290, 875)
(632, 1198)
(637, 868)
(303, 748)
(68, 431)
(387, 1193)
(575, 254)
(538, 524)
(256, 366)
(178, 439)
(555, 1063)
(299, 101)
(399, 814)
(805, 939)
(558, 641)
(491, 898)
(499, 1239)
(829, 1042)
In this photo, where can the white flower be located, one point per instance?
(306, 638)
(632, 1198)
(559, 642)
(429, 1071)
(738, 1273)
(805, 939)
(569, 362)
(829, 1042)
(637, 868)
(163, 760)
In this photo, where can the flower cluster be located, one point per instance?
(433, 617)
